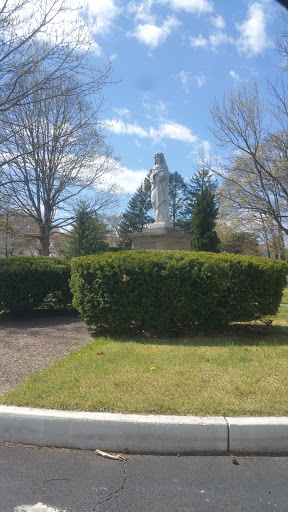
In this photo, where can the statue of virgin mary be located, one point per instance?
(159, 179)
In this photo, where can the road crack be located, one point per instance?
(117, 492)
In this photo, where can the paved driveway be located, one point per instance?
(57, 480)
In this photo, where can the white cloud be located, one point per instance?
(156, 110)
(67, 23)
(102, 13)
(185, 79)
(193, 6)
(174, 131)
(151, 35)
(141, 11)
(199, 41)
(234, 75)
(200, 79)
(218, 38)
(164, 130)
(120, 128)
(122, 112)
(70, 22)
(212, 41)
(253, 38)
(127, 180)
(218, 21)
(206, 148)
(97, 50)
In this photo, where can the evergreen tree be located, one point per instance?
(88, 234)
(201, 206)
(177, 193)
(196, 185)
(137, 214)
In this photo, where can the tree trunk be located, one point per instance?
(281, 245)
(6, 235)
(44, 240)
(267, 244)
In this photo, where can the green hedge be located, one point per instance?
(172, 289)
(31, 282)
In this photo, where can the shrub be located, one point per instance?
(170, 289)
(30, 282)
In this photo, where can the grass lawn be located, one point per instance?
(285, 296)
(241, 371)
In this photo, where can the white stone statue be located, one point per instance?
(159, 179)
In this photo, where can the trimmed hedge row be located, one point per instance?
(171, 289)
(31, 282)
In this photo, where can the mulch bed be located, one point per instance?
(31, 342)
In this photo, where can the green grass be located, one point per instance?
(242, 371)
(285, 296)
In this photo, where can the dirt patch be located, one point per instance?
(30, 343)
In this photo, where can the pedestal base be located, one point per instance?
(159, 236)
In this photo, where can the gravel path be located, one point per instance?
(28, 344)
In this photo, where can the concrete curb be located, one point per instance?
(143, 434)
(258, 435)
(113, 432)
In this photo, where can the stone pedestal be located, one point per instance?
(162, 236)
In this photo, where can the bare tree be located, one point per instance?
(46, 33)
(23, 23)
(55, 148)
(236, 215)
(113, 222)
(282, 42)
(18, 234)
(256, 170)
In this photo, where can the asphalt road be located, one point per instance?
(56, 480)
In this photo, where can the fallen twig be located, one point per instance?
(110, 455)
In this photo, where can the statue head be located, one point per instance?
(159, 159)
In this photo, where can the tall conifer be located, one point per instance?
(137, 215)
(202, 206)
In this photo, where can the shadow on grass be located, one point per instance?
(253, 334)
(234, 334)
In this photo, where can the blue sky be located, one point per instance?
(173, 58)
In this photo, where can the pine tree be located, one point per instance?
(196, 185)
(137, 214)
(88, 234)
(201, 206)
